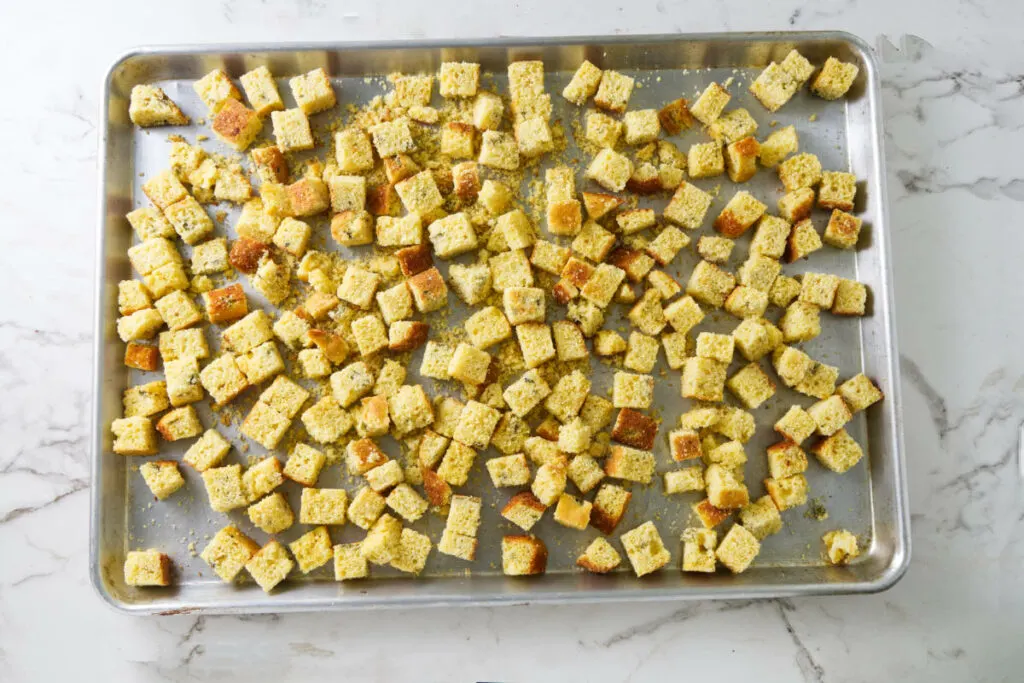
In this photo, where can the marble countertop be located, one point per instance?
(954, 109)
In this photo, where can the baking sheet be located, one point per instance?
(869, 500)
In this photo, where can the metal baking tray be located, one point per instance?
(870, 500)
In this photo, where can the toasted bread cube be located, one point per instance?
(709, 515)
(667, 244)
(391, 138)
(675, 116)
(566, 400)
(272, 514)
(774, 86)
(684, 481)
(515, 227)
(800, 171)
(411, 91)
(372, 416)
(145, 400)
(741, 159)
(326, 421)
(641, 353)
(751, 385)
(510, 435)
(746, 302)
(291, 130)
(185, 159)
(851, 298)
(150, 106)
(609, 507)
(610, 169)
(683, 314)
(819, 289)
(261, 90)
(584, 472)
(645, 549)
(791, 364)
(635, 220)
(756, 337)
(535, 343)
(801, 322)
(759, 272)
(717, 347)
(839, 452)
(733, 126)
(466, 179)
(180, 423)
(183, 383)
(305, 463)
(586, 315)
(526, 393)
(413, 550)
(272, 281)
(323, 506)
(843, 230)
(574, 437)
(351, 383)
(573, 512)
(524, 305)
(729, 454)
(255, 223)
(163, 189)
(631, 464)
(458, 545)
(265, 426)
(228, 552)
(452, 235)
(395, 303)
(457, 462)
(476, 424)
(710, 104)
(313, 91)
(153, 256)
(224, 488)
(499, 150)
(642, 126)
(349, 562)
(796, 425)
(523, 510)
(699, 550)
(609, 343)
(208, 451)
(837, 190)
(420, 194)
(400, 167)
(405, 335)
(632, 391)
(796, 206)
(603, 131)
(487, 327)
(385, 477)
(725, 491)
(703, 379)
(436, 359)
(549, 482)
(236, 125)
(602, 285)
(414, 260)
(457, 140)
(803, 241)
(820, 382)
(786, 458)
(788, 492)
(306, 197)
(599, 557)
(533, 136)
(358, 287)
(262, 478)
(738, 549)
(260, 364)
(684, 444)
(797, 66)
(834, 79)
(700, 418)
(614, 91)
(464, 515)
(784, 290)
(370, 334)
(647, 179)
(709, 285)
(742, 211)
(583, 85)
(688, 206)
(840, 546)
(270, 566)
(777, 147)
(313, 549)
(147, 567)
(149, 222)
(859, 392)
(458, 79)
(523, 556)
(348, 193)
(705, 160)
(429, 291)
(383, 541)
(770, 238)
(353, 151)
(189, 219)
(509, 470)
(162, 477)
(549, 257)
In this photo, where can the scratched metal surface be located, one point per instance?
(869, 500)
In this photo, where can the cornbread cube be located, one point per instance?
(487, 111)
(584, 472)
(683, 314)
(609, 507)
(358, 287)
(209, 257)
(535, 343)
(851, 298)
(819, 289)
(647, 178)
(189, 219)
(163, 189)
(260, 364)
(412, 553)
(180, 423)
(208, 451)
(305, 462)
(703, 379)
(667, 244)
(820, 382)
(675, 116)
(549, 482)
(499, 150)
(840, 546)
(631, 464)
(635, 220)
(699, 550)
(313, 549)
(756, 337)
(523, 305)
(186, 159)
(264, 425)
(569, 341)
(778, 146)
(429, 291)
(573, 512)
(458, 461)
(641, 353)
(261, 90)
(232, 185)
(599, 557)
(614, 91)
(547, 430)
(349, 562)
(153, 255)
(609, 343)
(574, 436)
(733, 126)
(523, 510)
(786, 459)
(787, 493)
(645, 549)
(236, 125)
(797, 66)
(348, 193)
(843, 230)
(792, 365)
(834, 79)
(224, 379)
(759, 272)
(738, 549)
(263, 477)
(509, 470)
(414, 260)
(603, 131)
(411, 91)
(602, 285)
(533, 136)
(436, 359)
(632, 391)
(684, 444)
(228, 552)
(147, 567)
(516, 229)
(313, 91)
(796, 425)
(610, 169)
(725, 491)
(395, 303)
(224, 488)
(583, 85)
(391, 138)
(800, 171)
(272, 514)
(385, 477)
(784, 290)
(510, 435)
(183, 383)
(526, 393)
(710, 104)
(741, 159)
(859, 392)
(801, 322)
(400, 167)
(466, 180)
(549, 257)
(410, 409)
(837, 190)
(746, 302)
(729, 454)
(458, 79)
(469, 364)
(249, 332)
(487, 327)
(457, 140)
(586, 315)
(476, 424)
(370, 334)
(458, 545)
(700, 418)
(642, 126)
(149, 222)
(523, 556)
(291, 130)
(270, 566)
(145, 400)
(684, 480)
(162, 477)
(709, 515)
(742, 211)
(839, 452)
(284, 396)
(751, 385)
(774, 86)
(717, 347)
(464, 515)
(452, 235)
(803, 241)
(353, 151)
(150, 106)
(709, 285)
(705, 160)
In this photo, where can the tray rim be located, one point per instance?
(901, 555)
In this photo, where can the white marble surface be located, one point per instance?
(954, 109)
